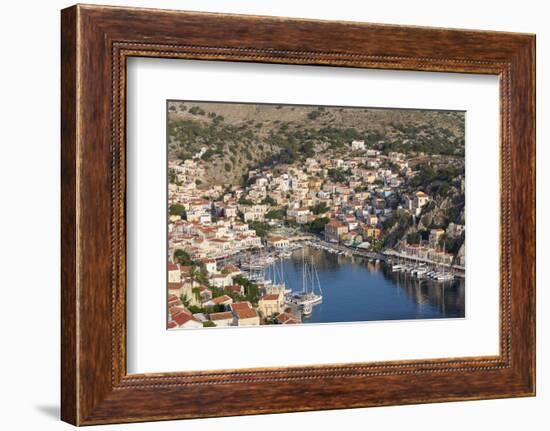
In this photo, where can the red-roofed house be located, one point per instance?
(231, 270)
(220, 300)
(184, 320)
(244, 314)
(235, 288)
(278, 241)
(287, 319)
(224, 318)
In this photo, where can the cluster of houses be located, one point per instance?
(353, 195)
(222, 302)
(218, 217)
(358, 225)
(432, 250)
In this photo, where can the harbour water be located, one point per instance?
(355, 289)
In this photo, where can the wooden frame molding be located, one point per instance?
(95, 43)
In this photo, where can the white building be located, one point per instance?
(357, 145)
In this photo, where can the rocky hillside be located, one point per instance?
(236, 137)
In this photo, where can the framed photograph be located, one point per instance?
(258, 208)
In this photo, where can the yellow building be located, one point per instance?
(271, 304)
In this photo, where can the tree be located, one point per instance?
(251, 290)
(172, 176)
(177, 210)
(318, 225)
(245, 201)
(413, 238)
(320, 208)
(182, 257)
(377, 245)
(338, 175)
(208, 324)
(268, 200)
(194, 309)
(262, 229)
(313, 114)
(278, 214)
(184, 300)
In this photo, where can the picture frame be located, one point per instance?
(96, 42)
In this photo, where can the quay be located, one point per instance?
(458, 271)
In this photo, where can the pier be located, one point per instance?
(458, 271)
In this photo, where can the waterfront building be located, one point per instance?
(244, 314)
(334, 229)
(435, 236)
(372, 232)
(279, 242)
(271, 304)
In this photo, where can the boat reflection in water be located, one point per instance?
(311, 293)
(354, 289)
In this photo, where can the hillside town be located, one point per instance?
(358, 201)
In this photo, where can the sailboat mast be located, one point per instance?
(282, 271)
(303, 271)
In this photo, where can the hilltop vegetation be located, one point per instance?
(234, 138)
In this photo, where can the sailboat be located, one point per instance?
(275, 279)
(309, 295)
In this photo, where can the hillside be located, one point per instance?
(234, 138)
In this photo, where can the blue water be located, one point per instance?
(356, 290)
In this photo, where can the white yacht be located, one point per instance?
(311, 292)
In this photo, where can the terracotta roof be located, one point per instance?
(221, 299)
(234, 288)
(174, 311)
(172, 324)
(186, 269)
(246, 313)
(231, 268)
(287, 318)
(174, 286)
(183, 318)
(277, 238)
(221, 316)
(240, 305)
(270, 297)
(173, 267)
